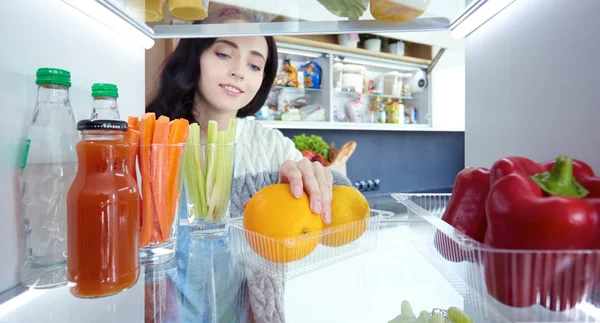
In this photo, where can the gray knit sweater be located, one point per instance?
(259, 153)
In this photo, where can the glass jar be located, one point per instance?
(102, 213)
(383, 110)
(372, 113)
(393, 113)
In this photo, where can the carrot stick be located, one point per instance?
(133, 122)
(173, 170)
(159, 171)
(185, 125)
(156, 234)
(132, 137)
(146, 133)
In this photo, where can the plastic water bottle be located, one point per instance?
(49, 166)
(105, 102)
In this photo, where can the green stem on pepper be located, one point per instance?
(560, 181)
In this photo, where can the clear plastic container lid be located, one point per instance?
(354, 68)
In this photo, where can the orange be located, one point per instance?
(350, 213)
(393, 11)
(290, 230)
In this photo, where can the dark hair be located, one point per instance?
(178, 81)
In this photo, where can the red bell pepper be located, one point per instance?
(581, 170)
(465, 211)
(509, 165)
(584, 174)
(522, 217)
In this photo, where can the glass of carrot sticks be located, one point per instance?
(208, 177)
(159, 161)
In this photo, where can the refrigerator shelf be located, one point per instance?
(477, 271)
(269, 17)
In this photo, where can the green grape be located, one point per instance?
(403, 318)
(437, 318)
(457, 315)
(423, 317)
(407, 309)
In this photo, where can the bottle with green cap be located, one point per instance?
(105, 102)
(49, 165)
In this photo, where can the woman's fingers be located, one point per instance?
(311, 186)
(324, 180)
(290, 174)
(313, 178)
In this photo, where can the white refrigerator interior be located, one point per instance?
(51, 33)
(532, 83)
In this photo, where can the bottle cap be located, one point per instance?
(101, 124)
(105, 89)
(53, 76)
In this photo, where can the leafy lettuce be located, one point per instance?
(312, 142)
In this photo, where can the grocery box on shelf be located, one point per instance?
(292, 257)
(505, 285)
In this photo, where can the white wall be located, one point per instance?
(51, 33)
(533, 83)
(448, 91)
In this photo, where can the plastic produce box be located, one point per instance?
(505, 285)
(248, 246)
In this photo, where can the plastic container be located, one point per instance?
(103, 206)
(320, 257)
(397, 10)
(396, 48)
(373, 44)
(189, 10)
(338, 71)
(392, 83)
(154, 10)
(348, 40)
(560, 279)
(353, 78)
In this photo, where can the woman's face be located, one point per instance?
(232, 70)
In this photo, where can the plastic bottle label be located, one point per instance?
(25, 153)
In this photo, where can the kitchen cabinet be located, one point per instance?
(335, 105)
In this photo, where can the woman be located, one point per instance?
(223, 78)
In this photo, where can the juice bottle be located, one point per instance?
(397, 10)
(48, 167)
(102, 213)
(105, 102)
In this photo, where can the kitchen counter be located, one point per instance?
(204, 284)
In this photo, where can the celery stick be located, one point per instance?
(216, 196)
(195, 174)
(231, 131)
(200, 166)
(211, 162)
(225, 170)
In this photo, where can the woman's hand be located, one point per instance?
(312, 178)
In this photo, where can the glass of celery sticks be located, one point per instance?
(207, 179)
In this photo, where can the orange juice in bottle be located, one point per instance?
(397, 10)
